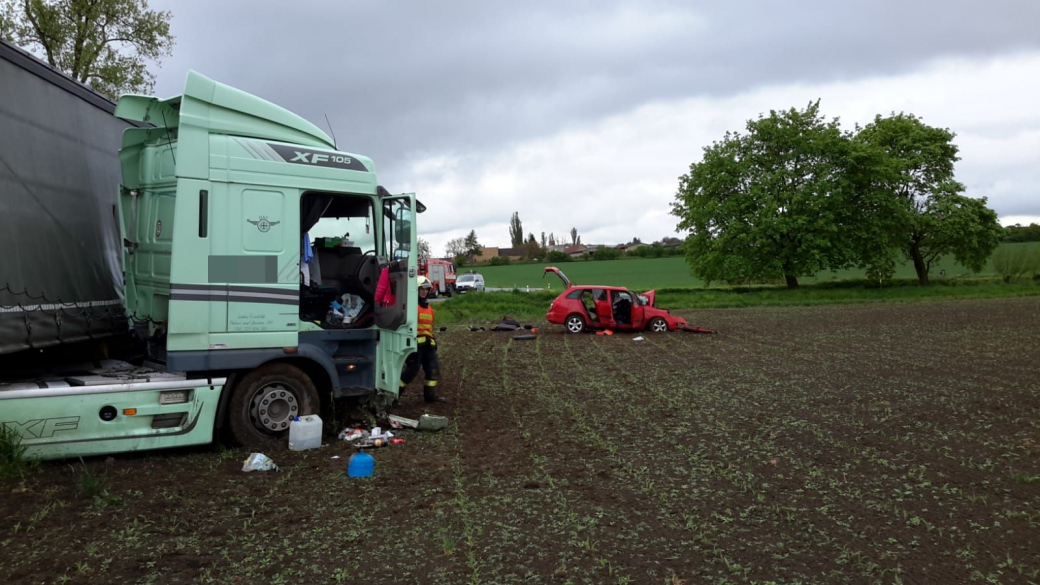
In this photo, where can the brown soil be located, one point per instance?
(816, 445)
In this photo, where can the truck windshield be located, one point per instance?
(353, 232)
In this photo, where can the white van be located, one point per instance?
(469, 282)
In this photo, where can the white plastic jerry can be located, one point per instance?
(305, 433)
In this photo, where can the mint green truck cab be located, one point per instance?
(243, 224)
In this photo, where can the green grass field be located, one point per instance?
(647, 273)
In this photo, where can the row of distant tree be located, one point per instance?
(1021, 233)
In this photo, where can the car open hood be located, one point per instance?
(649, 297)
(558, 272)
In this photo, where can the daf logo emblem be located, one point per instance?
(263, 224)
(158, 229)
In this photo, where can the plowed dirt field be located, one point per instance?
(853, 444)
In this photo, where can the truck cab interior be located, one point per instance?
(339, 259)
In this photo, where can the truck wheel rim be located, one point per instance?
(273, 408)
(660, 326)
(574, 325)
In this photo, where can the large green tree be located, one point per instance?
(931, 218)
(106, 44)
(791, 196)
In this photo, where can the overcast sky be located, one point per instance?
(584, 114)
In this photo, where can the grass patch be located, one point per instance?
(1026, 478)
(96, 487)
(14, 465)
(482, 308)
(642, 274)
(490, 307)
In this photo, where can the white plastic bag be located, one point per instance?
(258, 462)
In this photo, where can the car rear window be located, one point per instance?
(575, 294)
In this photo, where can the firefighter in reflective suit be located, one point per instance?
(426, 355)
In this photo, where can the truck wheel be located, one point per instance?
(265, 401)
(658, 325)
(575, 324)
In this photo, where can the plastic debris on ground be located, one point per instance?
(525, 337)
(258, 462)
(426, 422)
(363, 439)
(640, 338)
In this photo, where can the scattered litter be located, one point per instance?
(699, 330)
(605, 332)
(397, 441)
(378, 433)
(335, 456)
(258, 462)
(477, 329)
(400, 422)
(429, 422)
(426, 422)
(524, 337)
(529, 327)
(640, 338)
(444, 329)
(355, 434)
(508, 324)
(361, 465)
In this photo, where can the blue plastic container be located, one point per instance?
(361, 465)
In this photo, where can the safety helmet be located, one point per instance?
(425, 283)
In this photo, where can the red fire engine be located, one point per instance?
(441, 274)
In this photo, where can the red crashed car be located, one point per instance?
(608, 307)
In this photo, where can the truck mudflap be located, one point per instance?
(87, 416)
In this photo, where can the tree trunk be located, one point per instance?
(792, 281)
(919, 264)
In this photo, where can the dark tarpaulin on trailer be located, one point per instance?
(61, 267)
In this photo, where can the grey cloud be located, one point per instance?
(402, 79)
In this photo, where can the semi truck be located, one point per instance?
(174, 270)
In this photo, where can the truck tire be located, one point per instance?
(264, 402)
(657, 325)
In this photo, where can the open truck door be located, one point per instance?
(398, 257)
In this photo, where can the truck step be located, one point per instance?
(355, 392)
(345, 360)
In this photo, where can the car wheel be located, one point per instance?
(265, 401)
(575, 324)
(658, 325)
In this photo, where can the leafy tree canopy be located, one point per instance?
(776, 200)
(932, 218)
(105, 44)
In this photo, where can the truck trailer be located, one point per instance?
(218, 240)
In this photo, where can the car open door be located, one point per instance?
(624, 305)
(638, 311)
(397, 322)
